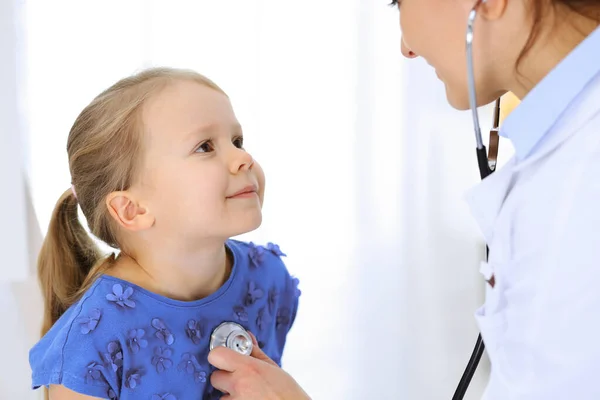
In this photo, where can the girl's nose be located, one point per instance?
(242, 161)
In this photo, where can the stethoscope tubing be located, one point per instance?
(487, 164)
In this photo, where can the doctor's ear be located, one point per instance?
(492, 9)
(129, 214)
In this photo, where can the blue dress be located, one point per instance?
(120, 341)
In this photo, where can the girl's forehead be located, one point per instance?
(185, 106)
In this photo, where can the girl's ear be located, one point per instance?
(128, 212)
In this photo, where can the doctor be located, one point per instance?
(540, 213)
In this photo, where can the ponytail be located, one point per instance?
(66, 261)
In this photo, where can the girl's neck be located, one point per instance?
(180, 277)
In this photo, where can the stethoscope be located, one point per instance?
(487, 165)
(233, 336)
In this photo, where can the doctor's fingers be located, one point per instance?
(259, 354)
(241, 385)
(229, 360)
(222, 381)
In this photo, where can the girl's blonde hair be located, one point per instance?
(104, 148)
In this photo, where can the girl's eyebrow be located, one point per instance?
(209, 129)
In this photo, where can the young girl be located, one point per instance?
(159, 170)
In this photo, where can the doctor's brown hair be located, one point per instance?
(539, 9)
(104, 148)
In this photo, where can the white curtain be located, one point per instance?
(366, 167)
(20, 236)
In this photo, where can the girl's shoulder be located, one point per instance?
(263, 265)
(82, 349)
(270, 294)
(269, 256)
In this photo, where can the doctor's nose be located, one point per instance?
(406, 52)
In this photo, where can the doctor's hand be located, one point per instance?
(252, 378)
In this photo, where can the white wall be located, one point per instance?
(20, 304)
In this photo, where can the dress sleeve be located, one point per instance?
(71, 354)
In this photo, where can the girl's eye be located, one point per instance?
(205, 147)
(238, 142)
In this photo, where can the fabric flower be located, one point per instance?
(93, 373)
(111, 394)
(200, 377)
(136, 340)
(121, 297)
(262, 319)
(162, 332)
(114, 357)
(195, 330)
(90, 322)
(273, 298)
(254, 293)
(295, 290)
(240, 314)
(165, 396)
(256, 254)
(133, 379)
(188, 363)
(161, 359)
(283, 318)
(273, 248)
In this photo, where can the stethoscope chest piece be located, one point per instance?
(232, 336)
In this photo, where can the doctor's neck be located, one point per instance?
(559, 26)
